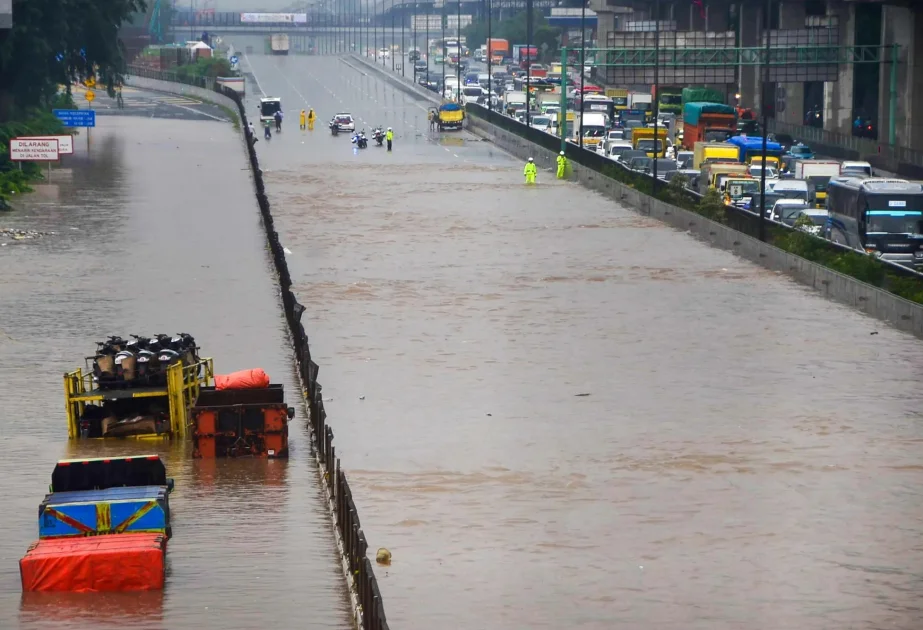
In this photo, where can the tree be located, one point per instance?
(515, 30)
(56, 42)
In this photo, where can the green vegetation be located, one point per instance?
(205, 67)
(53, 44)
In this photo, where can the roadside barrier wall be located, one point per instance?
(367, 602)
(589, 169)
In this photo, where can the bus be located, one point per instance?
(879, 216)
(598, 103)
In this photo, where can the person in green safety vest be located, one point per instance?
(530, 171)
(562, 164)
(389, 136)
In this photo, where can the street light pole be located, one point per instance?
(458, 42)
(443, 47)
(764, 91)
(656, 90)
(582, 66)
(403, 49)
(529, 62)
(490, 76)
(392, 39)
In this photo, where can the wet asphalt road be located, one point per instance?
(557, 413)
(157, 230)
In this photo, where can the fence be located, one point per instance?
(173, 77)
(337, 487)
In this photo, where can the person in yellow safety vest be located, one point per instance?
(301, 120)
(562, 164)
(530, 171)
(389, 136)
(311, 119)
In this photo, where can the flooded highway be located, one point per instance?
(158, 231)
(556, 413)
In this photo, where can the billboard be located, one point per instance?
(426, 22)
(273, 18)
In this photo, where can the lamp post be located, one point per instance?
(392, 39)
(582, 66)
(490, 76)
(529, 62)
(403, 50)
(763, 106)
(443, 48)
(656, 90)
(458, 46)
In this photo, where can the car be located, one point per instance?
(665, 166)
(420, 65)
(818, 221)
(413, 55)
(625, 157)
(691, 176)
(618, 147)
(801, 152)
(856, 169)
(756, 170)
(640, 164)
(345, 122)
(684, 159)
(542, 123)
(384, 53)
(787, 211)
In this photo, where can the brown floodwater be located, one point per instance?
(556, 413)
(158, 231)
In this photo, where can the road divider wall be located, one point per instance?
(364, 591)
(735, 232)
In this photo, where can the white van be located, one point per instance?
(789, 188)
(856, 169)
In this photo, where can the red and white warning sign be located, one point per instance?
(34, 149)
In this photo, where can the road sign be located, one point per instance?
(234, 59)
(76, 117)
(90, 95)
(65, 143)
(31, 149)
(90, 82)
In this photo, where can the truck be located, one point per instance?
(711, 152)
(818, 174)
(701, 95)
(705, 122)
(620, 97)
(514, 101)
(709, 173)
(669, 99)
(751, 149)
(278, 44)
(450, 116)
(498, 49)
(642, 101)
(594, 129)
(642, 138)
(524, 55)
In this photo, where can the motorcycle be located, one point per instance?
(379, 135)
(360, 140)
(334, 128)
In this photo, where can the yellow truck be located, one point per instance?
(620, 97)
(450, 116)
(642, 138)
(709, 152)
(710, 172)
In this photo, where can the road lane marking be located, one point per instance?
(253, 72)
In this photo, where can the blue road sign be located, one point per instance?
(76, 117)
(234, 59)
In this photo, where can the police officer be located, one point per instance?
(389, 136)
(530, 171)
(562, 164)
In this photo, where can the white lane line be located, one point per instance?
(195, 111)
(255, 78)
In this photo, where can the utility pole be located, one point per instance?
(656, 90)
(763, 106)
(582, 66)
(443, 48)
(529, 62)
(458, 41)
(490, 77)
(403, 49)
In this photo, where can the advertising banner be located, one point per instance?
(273, 18)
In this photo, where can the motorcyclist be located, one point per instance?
(278, 118)
(389, 137)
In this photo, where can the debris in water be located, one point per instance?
(23, 235)
(361, 397)
(286, 250)
(581, 394)
(383, 556)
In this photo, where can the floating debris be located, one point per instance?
(23, 235)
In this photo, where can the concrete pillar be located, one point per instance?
(791, 16)
(838, 113)
(748, 76)
(902, 26)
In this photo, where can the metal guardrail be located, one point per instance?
(172, 77)
(739, 219)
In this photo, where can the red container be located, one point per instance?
(241, 422)
(124, 562)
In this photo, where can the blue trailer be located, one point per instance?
(751, 149)
(132, 509)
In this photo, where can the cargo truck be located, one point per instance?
(818, 174)
(751, 149)
(707, 122)
(642, 138)
(669, 99)
(498, 49)
(711, 152)
(620, 97)
(702, 95)
(278, 44)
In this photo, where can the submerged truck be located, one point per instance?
(278, 44)
(707, 122)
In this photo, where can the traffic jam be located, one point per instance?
(698, 142)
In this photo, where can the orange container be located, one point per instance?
(124, 562)
(249, 422)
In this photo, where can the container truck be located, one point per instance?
(751, 149)
(642, 101)
(818, 174)
(702, 95)
(498, 49)
(707, 122)
(278, 44)
(643, 138)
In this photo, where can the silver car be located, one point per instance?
(345, 122)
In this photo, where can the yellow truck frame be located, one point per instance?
(181, 390)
